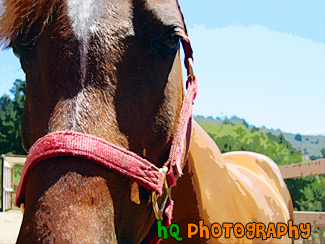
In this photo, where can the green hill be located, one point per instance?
(311, 146)
(237, 135)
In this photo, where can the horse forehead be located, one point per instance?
(85, 15)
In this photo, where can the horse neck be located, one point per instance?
(186, 208)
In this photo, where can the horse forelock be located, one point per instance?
(18, 17)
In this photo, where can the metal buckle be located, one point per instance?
(159, 211)
(22, 206)
(190, 68)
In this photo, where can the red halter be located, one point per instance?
(129, 164)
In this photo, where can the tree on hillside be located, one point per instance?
(298, 137)
(323, 152)
(11, 111)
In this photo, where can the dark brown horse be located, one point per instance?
(112, 69)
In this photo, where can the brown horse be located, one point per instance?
(112, 69)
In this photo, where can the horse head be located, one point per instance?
(110, 69)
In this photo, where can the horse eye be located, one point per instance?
(172, 42)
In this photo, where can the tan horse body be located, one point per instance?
(236, 187)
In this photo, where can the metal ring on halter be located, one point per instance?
(159, 211)
(22, 206)
(190, 68)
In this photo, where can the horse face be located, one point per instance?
(107, 68)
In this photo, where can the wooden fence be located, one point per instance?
(316, 167)
(8, 184)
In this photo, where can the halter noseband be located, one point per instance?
(127, 163)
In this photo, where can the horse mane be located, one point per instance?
(18, 16)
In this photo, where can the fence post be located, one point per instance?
(2, 169)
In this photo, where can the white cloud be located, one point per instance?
(269, 78)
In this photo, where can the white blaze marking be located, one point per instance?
(84, 15)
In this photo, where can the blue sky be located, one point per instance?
(263, 61)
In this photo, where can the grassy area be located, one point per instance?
(317, 236)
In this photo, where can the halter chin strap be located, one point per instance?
(127, 163)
